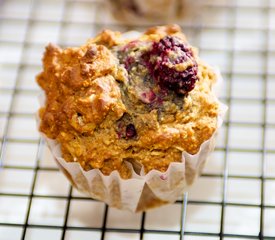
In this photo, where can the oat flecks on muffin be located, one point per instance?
(115, 100)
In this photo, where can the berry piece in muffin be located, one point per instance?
(172, 65)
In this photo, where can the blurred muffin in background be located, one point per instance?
(157, 11)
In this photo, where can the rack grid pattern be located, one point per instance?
(235, 196)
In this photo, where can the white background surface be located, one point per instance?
(237, 36)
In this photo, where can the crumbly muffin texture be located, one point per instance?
(115, 101)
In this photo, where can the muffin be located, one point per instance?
(130, 118)
(154, 11)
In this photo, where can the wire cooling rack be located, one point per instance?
(235, 196)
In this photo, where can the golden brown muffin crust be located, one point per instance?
(86, 102)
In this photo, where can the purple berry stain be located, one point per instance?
(163, 177)
(130, 131)
(121, 130)
(126, 131)
(162, 59)
(148, 96)
(128, 63)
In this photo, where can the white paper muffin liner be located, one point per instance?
(142, 191)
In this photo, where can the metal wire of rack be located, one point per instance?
(235, 196)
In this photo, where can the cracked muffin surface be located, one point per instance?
(117, 101)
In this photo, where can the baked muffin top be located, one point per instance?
(115, 100)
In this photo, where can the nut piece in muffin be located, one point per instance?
(115, 101)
